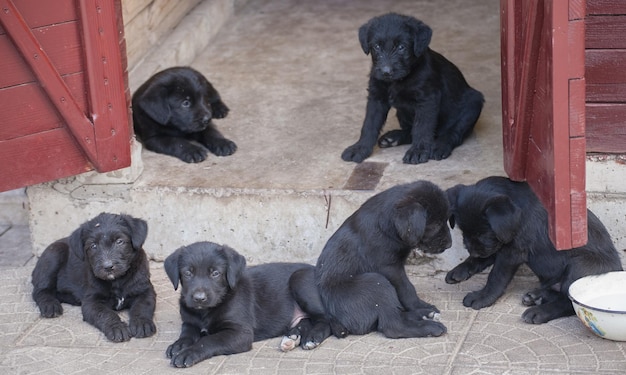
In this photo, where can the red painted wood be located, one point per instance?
(106, 77)
(606, 7)
(543, 130)
(26, 109)
(606, 132)
(605, 32)
(62, 45)
(606, 93)
(39, 13)
(36, 166)
(606, 66)
(80, 57)
(37, 59)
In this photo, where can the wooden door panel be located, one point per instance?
(543, 105)
(63, 44)
(37, 114)
(64, 96)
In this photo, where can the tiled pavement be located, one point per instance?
(490, 341)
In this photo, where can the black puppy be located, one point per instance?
(505, 225)
(175, 107)
(225, 307)
(360, 272)
(435, 106)
(103, 267)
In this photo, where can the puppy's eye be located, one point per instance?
(187, 273)
(186, 103)
(400, 47)
(93, 246)
(377, 47)
(119, 241)
(215, 274)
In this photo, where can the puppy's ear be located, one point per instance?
(422, 34)
(363, 38)
(410, 222)
(503, 216)
(154, 103)
(76, 243)
(236, 265)
(139, 229)
(171, 267)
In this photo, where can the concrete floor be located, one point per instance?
(295, 78)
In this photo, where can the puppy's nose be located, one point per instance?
(199, 296)
(386, 70)
(108, 266)
(206, 119)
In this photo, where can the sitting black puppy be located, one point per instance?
(435, 106)
(360, 273)
(505, 225)
(225, 307)
(103, 267)
(175, 107)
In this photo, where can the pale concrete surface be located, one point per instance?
(295, 79)
(490, 341)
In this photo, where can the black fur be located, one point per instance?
(175, 107)
(360, 272)
(435, 106)
(103, 267)
(225, 307)
(505, 225)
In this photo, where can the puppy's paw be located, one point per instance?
(458, 274)
(440, 152)
(393, 138)
(141, 327)
(219, 109)
(431, 328)
(535, 315)
(178, 346)
(290, 342)
(222, 147)
(191, 153)
(356, 153)
(188, 357)
(50, 309)
(532, 299)
(338, 330)
(117, 332)
(416, 155)
(477, 300)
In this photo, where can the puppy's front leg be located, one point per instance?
(101, 316)
(375, 116)
(468, 268)
(232, 339)
(216, 142)
(177, 147)
(188, 336)
(141, 315)
(406, 292)
(423, 132)
(499, 278)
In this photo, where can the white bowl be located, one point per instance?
(600, 303)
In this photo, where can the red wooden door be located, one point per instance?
(543, 104)
(64, 102)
